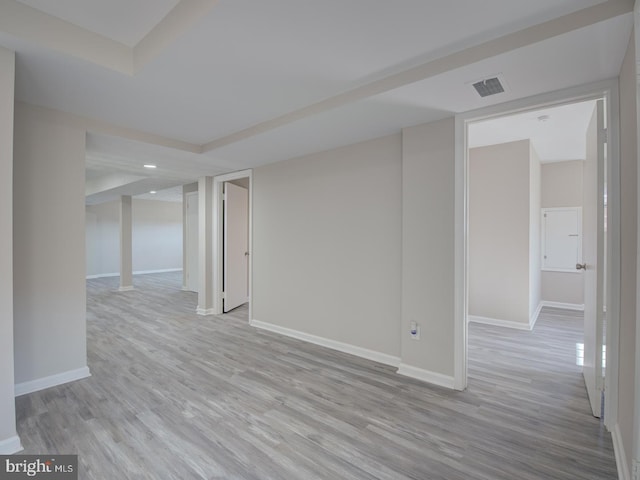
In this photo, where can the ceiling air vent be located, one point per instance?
(489, 86)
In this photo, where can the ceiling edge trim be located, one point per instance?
(174, 24)
(99, 126)
(48, 31)
(513, 41)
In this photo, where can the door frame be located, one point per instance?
(218, 237)
(607, 89)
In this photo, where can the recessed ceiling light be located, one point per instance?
(152, 192)
(148, 165)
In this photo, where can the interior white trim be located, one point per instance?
(138, 272)
(636, 416)
(205, 311)
(621, 457)
(218, 252)
(102, 275)
(10, 446)
(127, 288)
(434, 378)
(328, 343)
(51, 381)
(461, 255)
(564, 306)
(534, 317)
(607, 89)
(498, 322)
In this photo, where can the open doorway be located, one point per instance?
(530, 175)
(605, 179)
(235, 244)
(232, 243)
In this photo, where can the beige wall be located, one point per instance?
(428, 245)
(499, 226)
(326, 244)
(7, 400)
(157, 236)
(562, 184)
(628, 250)
(49, 244)
(103, 238)
(191, 187)
(562, 187)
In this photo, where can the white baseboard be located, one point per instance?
(426, 376)
(534, 318)
(51, 381)
(102, 275)
(163, 270)
(621, 458)
(128, 288)
(205, 311)
(496, 322)
(137, 272)
(566, 306)
(10, 446)
(328, 343)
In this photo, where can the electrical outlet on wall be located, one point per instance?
(414, 331)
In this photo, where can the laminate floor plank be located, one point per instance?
(174, 395)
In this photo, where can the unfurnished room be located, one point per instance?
(359, 239)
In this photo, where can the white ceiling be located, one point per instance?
(248, 82)
(557, 134)
(173, 194)
(125, 21)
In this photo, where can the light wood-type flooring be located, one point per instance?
(174, 395)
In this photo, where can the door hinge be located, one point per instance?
(223, 295)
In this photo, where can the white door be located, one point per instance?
(192, 241)
(593, 257)
(236, 246)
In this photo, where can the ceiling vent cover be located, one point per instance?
(489, 86)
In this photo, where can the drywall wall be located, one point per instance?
(627, 401)
(499, 226)
(562, 184)
(157, 237)
(535, 243)
(9, 442)
(562, 187)
(49, 245)
(326, 244)
(428, 249)
(188, 188)
(103, 238)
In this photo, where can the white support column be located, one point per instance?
(9, 440)
(126, 244)
(205, 246)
